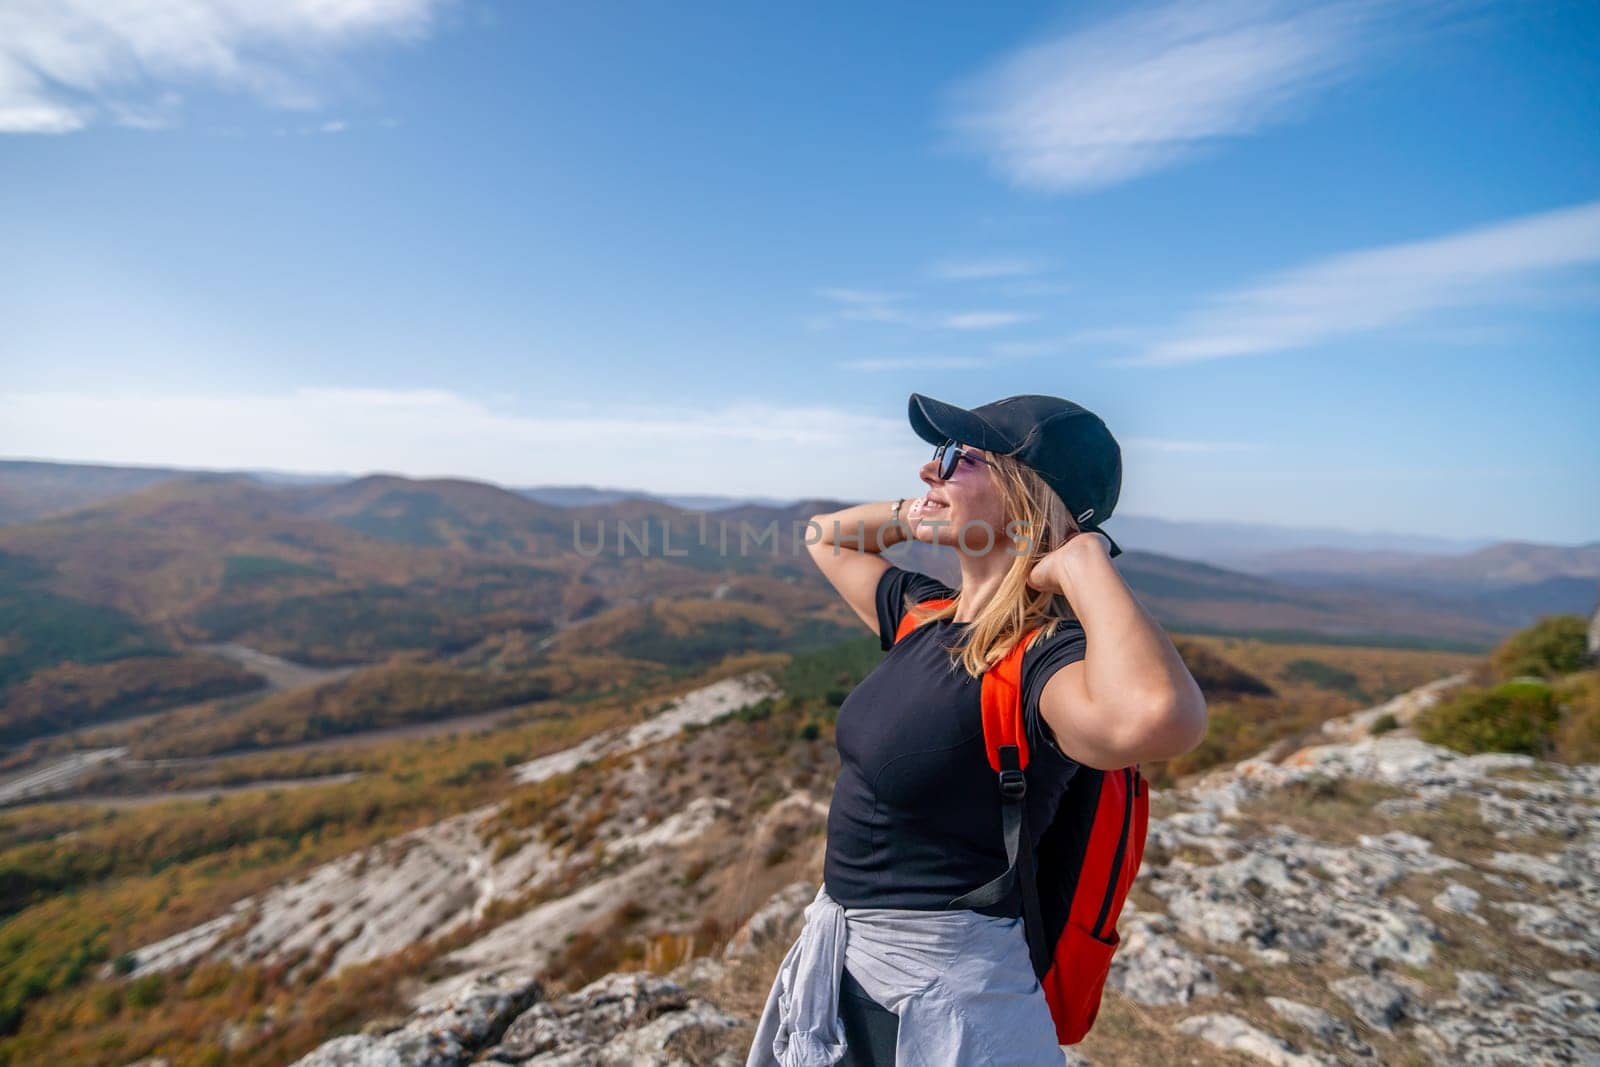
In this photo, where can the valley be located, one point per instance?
(291, 768)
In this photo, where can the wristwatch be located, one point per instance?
(894, 516)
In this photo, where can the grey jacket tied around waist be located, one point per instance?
(960, 982)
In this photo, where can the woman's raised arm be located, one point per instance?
(848, 552)
(1131, 699)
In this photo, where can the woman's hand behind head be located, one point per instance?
(1048, 574)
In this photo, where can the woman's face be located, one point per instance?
(969, 500)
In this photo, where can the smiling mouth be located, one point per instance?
(930, 504)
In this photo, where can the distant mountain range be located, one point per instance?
(36, 489)
(1234, 544)
(171, 547)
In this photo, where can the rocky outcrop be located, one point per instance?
(1419, 864)
(444, 1034)
(704, 705)
(432, 881)
(622, 1020)
(1234, 1034)
(777, 921)
(501, 1018)
(1372, 899)
(1402, 708)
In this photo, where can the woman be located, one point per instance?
(890, 968)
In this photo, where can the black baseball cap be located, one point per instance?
(1065, 444)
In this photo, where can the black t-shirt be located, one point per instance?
(915, 819)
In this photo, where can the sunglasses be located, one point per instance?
(949, 454)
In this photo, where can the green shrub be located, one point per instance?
(243, 571)
(761, 709)
(1384, 723)
(1550, 648)
(1511, 717)
(836, 668)
(1578, 739)
(1217, 676)
(479, 770)
(146, 992)
(1325, 676)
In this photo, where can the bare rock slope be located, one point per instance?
(1373, 899)
(438, 879)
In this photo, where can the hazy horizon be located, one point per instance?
(1457, 542)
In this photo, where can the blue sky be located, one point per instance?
(1315, 264)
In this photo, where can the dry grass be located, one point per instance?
(742, 991)
(1457, 831)
(1128, 1033)
(1334, 810)
(1310, 684)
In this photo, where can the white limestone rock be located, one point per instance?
(1233, 1034)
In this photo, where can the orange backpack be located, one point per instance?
(1088, 855)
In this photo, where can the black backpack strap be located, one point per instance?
(1019, 861)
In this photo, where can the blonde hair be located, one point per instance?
(1039, 520)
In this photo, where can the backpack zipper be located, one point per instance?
(1122, 848)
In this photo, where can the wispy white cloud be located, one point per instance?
(984, 320)
(65, 64)
(994, 354)
(1387, 287)
(1075, 342)
(1169, 445)
(863, 305)
(985, 269)
(860, 305)
(158, 114)
(1147, 89)
(861, 296)
(1024, 288)
(898, 363)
